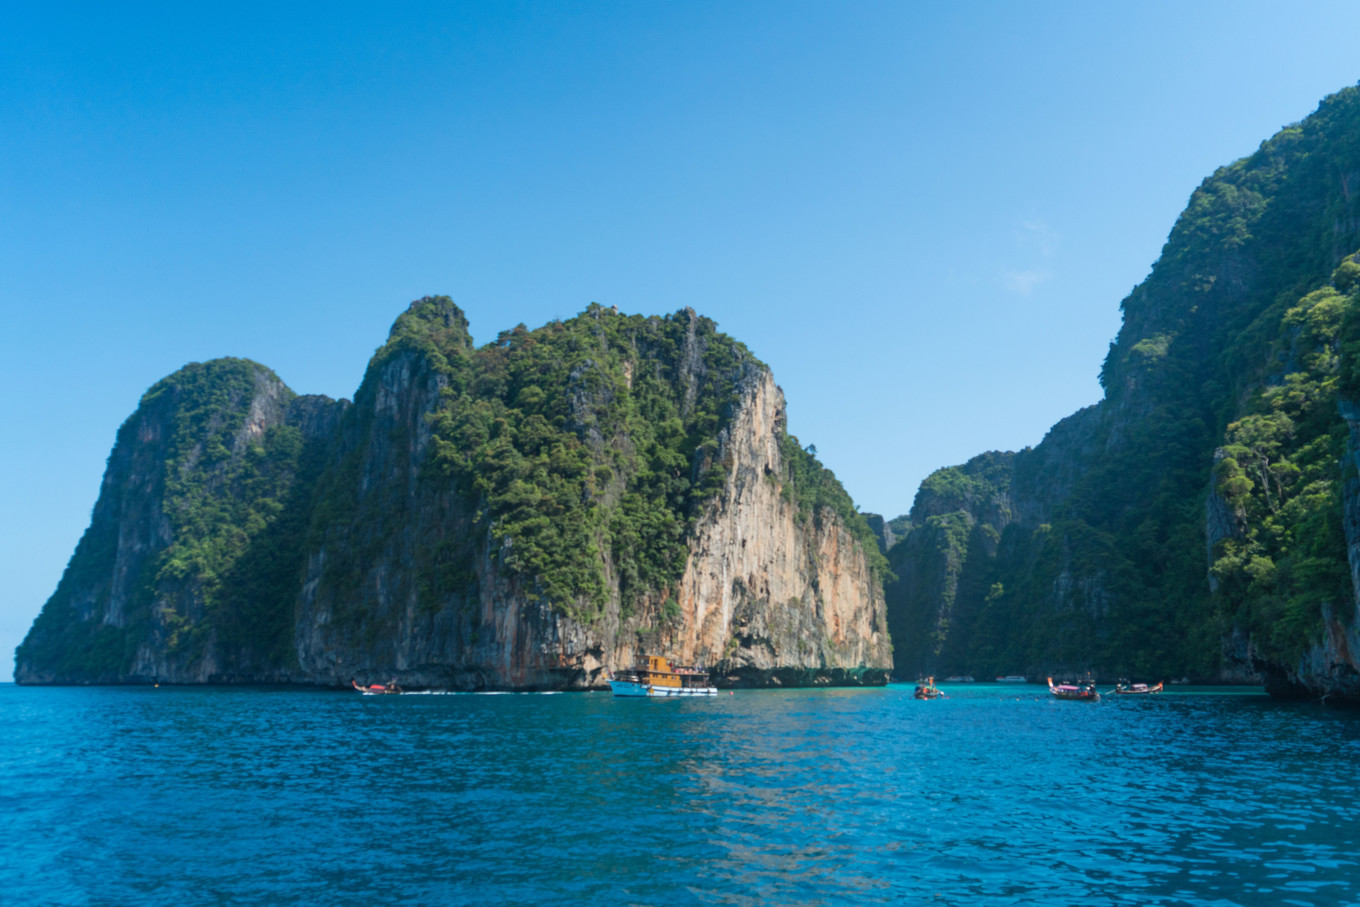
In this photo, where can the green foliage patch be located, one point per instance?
(1279, 474)
(222, 490)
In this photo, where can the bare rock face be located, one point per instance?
(766, 596)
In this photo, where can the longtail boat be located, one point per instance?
(1136, 689)
(376, 689)
(1082, 692)
(926, 689)
(657, 678)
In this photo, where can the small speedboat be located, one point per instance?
(1082, 692)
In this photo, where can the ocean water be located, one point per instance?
(996, 795)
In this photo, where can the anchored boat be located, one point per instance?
(377, 689)
(1124, 688)
(926, 689)
(1083, 692)
(656, 677)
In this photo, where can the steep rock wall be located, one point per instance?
(528, 515)
(769, 594)
(134, 586)
(1104, 566)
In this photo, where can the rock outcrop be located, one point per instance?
(1135, 543)
(244, 534)
(769, 594)
(214, 451)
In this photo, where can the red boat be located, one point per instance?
(1082, 692)
(377, 689)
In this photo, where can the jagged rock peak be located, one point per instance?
(432, 313)
(431, 324)
(432, 328)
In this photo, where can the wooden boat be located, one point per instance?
(377, 689)
(655, 677)
(926, 689)
(1082, 692)
(1136, 689)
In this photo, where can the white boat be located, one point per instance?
(1011, 678)
(1124, 688)
(656, 678)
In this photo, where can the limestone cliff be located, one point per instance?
(1189, 523)
(528, 515)
(182, 538)
(1327, 665)
(957, 522)
(769, 591)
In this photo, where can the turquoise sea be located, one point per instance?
(996, 795)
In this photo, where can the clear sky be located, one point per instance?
(923, 216)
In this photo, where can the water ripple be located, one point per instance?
(994, 796)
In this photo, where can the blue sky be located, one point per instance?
(923, 216)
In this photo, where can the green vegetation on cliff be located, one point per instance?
(559, 464)
(1231, 342)
(224, 486)
(220, 488)
(1283, 558)
(592, 436)
(956, 524)
(586, 450)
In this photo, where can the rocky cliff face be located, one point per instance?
(770, 593)
(1328, 665)
(208, 453)
(1225, 346)
(957, 522)
(248, 535)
